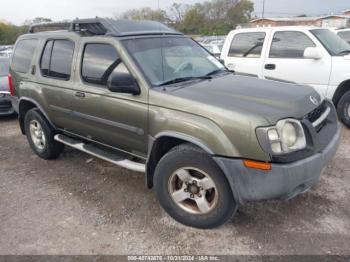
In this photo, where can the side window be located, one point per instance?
(61, 59)
(247, 45)
(56, 60)
(45, 59)
(100, 61)
(345, 35)
(23, 55)
(290, 45)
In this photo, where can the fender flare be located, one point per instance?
(200, 144)
(38, 106)
(184, 137)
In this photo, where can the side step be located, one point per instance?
(99, 152)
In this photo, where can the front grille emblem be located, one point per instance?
(314, 100)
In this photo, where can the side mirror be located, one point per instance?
(123, 83)
(312, 53)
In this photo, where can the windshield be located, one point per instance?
(332, 42)
(163, 59)
(4, 68)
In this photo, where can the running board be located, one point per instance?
(104, 154)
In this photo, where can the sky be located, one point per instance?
(17, 11)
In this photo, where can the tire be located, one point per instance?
(344, 109)
(200, 166)
(48, 148)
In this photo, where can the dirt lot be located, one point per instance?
(77, 206)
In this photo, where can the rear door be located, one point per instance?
(245, 53)
(115, 119)
(285, 60)
(55, 83)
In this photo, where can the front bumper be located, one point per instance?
(6, 107)
(283, 181)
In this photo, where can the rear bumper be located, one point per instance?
(283, 181)
(6, 107)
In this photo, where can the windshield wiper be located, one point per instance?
(344, 52)
(216, 72)
(183, 79)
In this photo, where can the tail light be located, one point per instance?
(12, 93)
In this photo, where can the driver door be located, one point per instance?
(116, 119)
(286, 61)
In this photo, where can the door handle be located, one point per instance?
(33, 70)
(270, 66)
(80, 94)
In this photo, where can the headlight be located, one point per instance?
(286, 137)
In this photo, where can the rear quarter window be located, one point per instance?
(23, 55)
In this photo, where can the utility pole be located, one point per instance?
(263, 11)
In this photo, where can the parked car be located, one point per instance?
(6, 52)
(214, 49)
(308, 56)
(344, 34)
(148, 98)
(5, 99)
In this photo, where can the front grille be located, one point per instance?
(316, 114)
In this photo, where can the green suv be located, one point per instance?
(149, 99)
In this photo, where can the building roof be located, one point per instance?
(299, 19)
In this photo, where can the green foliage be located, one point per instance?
(145, 13)
(9, 33)
(215, 17)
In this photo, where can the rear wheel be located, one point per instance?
(344, 109)
(40, 135)
(192, 189)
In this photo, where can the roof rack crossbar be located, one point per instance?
(50, 26)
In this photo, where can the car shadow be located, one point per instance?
(7, 118)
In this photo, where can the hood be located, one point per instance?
(271, 100)
(4, 85)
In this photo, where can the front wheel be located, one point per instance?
(344, 109)
(192, 189)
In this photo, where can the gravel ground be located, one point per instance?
(80, 205)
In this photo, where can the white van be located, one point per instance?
(309, 56)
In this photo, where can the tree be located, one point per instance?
(9, 33)
(194, 20)
(178, 11)
(215, 17)
(145, 13)
(37, 20)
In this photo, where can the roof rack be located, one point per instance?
(50, 26)
(106, 26)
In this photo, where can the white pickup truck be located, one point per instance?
(303, 55)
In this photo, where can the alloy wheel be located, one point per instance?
(37, 134)
(193, 190)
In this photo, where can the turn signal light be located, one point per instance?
(257, 165)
